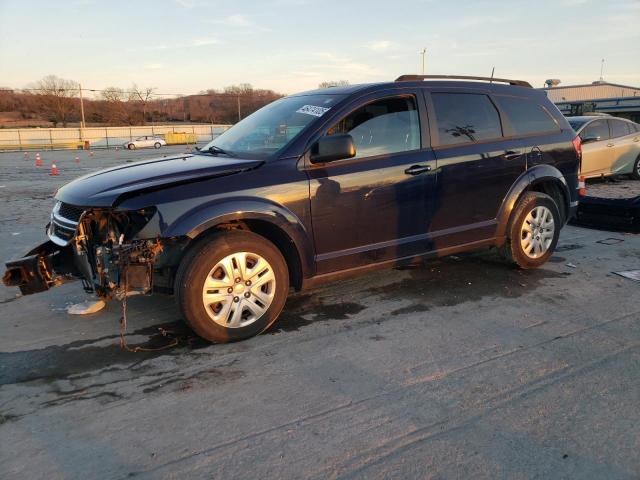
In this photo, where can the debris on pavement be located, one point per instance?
(630, 274)
(571, 265)
(86, 308)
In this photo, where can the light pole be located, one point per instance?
(423, 53)
(82, 124)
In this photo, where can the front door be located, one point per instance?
(375, 206)
(597, 150)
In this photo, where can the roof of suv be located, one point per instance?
(366, 87)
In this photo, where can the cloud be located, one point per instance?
(379, 45)
(236, 20)
(186, 3)
(203, 42)
(154, 66)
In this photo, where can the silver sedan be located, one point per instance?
(610, 146)
(148, 141)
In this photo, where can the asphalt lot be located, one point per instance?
(462, 368)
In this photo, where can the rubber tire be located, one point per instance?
(512, 250)
(131, 146)
(197, 264)
(635, 174)
(157, 145)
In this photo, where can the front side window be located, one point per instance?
(264, 133)
(465, 117)
(618, 128)
(597, 130)
(382, 127)
(526, 115)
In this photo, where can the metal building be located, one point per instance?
(597, 97)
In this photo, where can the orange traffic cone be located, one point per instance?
(38, 160)
(54, 170)
(582, 186)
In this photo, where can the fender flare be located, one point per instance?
(195, 222)
(532, 177)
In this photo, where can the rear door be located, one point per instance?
(597, 149)
(626, 147)
(476, 165)
(374, 207)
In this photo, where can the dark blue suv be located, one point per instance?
(315, 186)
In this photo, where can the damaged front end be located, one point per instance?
(99, 246)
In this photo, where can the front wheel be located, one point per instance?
(157, 145)
(131, 146)
(533, 230)
(232, 286)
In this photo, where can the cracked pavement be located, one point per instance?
(461, 368)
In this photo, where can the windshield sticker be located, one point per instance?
(313, 110)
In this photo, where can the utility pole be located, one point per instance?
(423, 53)
(601, 69)
(239, 115)
(82, 124)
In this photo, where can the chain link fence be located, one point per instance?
(96, 137)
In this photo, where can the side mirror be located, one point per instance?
(333, 147)
(590, 139)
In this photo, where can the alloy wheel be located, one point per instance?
(239, 289)
(536, 233)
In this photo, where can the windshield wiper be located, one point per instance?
(215, 150)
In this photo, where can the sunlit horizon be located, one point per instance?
(184, 47)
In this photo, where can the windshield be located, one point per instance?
(264, 133)
(576, 124)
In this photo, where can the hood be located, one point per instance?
(104, 188)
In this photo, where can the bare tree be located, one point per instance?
(58, 97)
(116, 111)
(334, 83)
(142, 95)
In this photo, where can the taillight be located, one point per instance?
(577, 144)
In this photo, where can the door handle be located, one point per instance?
(510, 155)
(417, 169)
(610, 144)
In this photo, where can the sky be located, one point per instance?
(186, 46)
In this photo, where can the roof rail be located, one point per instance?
(415, 78)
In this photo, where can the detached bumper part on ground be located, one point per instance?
(42, 268)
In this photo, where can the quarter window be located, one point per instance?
(526, 116)
(618, 128)
(465, 117)
(382, 127)
(597, 129)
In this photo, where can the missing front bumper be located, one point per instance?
(43, 267)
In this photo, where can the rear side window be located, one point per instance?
(465, 117)
(527, 116)
(382, 127)
(618, 128)
(598, 129)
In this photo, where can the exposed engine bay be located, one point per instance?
(102, 251)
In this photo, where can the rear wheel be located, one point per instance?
(636, 169)
(131, 146)
(232, 286)
(534, 229)
(157, 145)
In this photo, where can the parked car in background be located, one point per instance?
(610, 145)
(147, 141)
(315, 186)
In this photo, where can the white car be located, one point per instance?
(147, 141)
